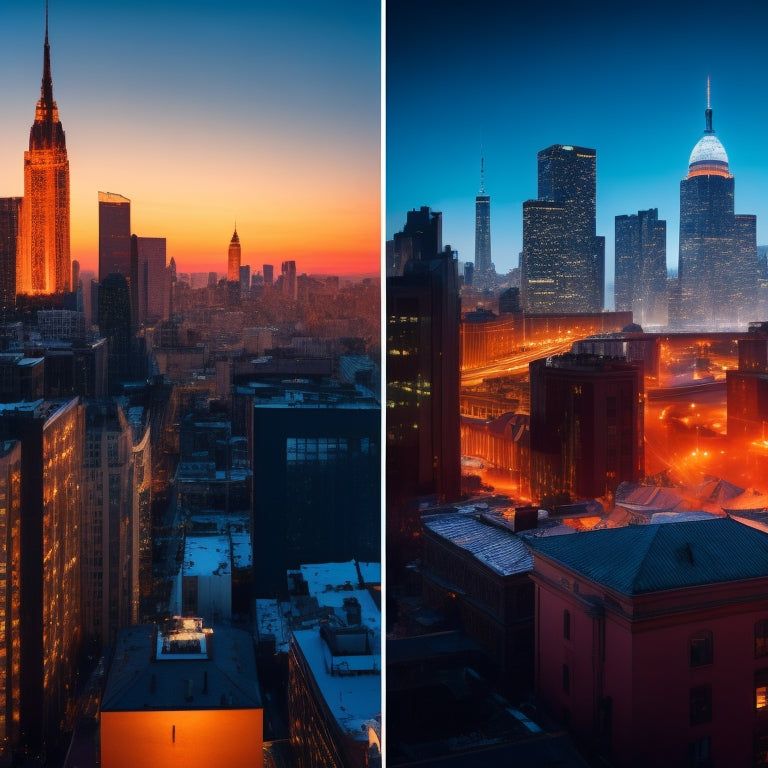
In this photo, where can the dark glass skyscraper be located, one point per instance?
(717, 268)
(563, 261)
(114, 235)
(482, 230)
(641, 267)
(423, 436)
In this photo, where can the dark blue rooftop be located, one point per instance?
(640, 559)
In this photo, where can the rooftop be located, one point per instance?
(492, 544)
(221, 673)
(639, 559)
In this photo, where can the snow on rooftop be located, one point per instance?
(205, 555)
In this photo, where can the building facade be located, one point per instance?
(233, 259)
(641, 267)
(153, 287)
(717, 266)
(422, 421)
(586, 425)
(43, 263)
(10, 214)
(482, 231)
(51, 437)
(114, 235)
(652, 641)
(563, 260)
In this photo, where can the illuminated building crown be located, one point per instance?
(708, 157)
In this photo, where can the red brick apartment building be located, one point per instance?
(652, 641)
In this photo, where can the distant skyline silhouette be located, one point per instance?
(504, 81)
(266, 114)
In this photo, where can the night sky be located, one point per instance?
(628, 79)
(266, 113)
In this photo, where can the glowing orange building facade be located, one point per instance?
(233, 259)
(43, 261)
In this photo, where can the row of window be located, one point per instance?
(702, 647)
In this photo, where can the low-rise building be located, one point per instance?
(182, 694)
(652, 641)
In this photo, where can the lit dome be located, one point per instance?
(708, 157)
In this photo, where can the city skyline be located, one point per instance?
(627, 81)
(207, 118)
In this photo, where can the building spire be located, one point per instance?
(708, 111)
(482, 175)
(46, 90)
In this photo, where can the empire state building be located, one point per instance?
(43, 261)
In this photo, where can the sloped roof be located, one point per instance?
(495, 546)
(647, 558)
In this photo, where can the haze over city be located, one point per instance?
(505, 81)
(206, 116)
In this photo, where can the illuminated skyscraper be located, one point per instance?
(233, 259)
(43, 262)
(717, 268)
(114, 235)
(563, 261)
(641, 267)
(482, 230)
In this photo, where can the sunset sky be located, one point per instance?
(627, 79)
(263, 113)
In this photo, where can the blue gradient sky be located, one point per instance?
(202, 113)
(627, 79)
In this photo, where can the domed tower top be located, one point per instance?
(708, 157)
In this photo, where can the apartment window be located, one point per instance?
(761, 638)
(567, 625)
(699, 753)
(566, 679)
(761, 690)
(701, 704)
(701, 648)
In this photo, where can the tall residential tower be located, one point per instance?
(563, 260)
(43, 261)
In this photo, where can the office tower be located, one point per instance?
(115, 326)
(482, 230)
(717, 268)
(114, 235)
(269, 274)
(51, 437)
(422, 237)
(289, 284)
(43, 264)
(422, 424)
(110, 569)
(586, 426)
(316, 478)
(152, 289)
(563, 261)
(10, 212)
(233, 259)
(245, 279)
(641, 267)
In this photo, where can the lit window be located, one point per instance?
(761, 690)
